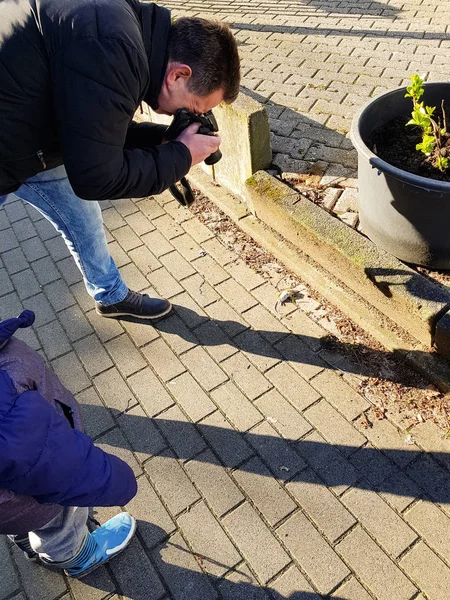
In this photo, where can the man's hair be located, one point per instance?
(210, 49)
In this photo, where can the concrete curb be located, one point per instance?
(394, 304)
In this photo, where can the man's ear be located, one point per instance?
(177, 71)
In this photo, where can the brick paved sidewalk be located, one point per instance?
(315, 62)
(257, 479)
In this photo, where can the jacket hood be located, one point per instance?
(156, 23)
(10, 326)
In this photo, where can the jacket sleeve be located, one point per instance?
(98, 84)
(43, 457)
(143, 135)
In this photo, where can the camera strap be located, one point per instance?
(183, 192)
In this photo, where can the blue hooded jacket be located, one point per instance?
(44, 457)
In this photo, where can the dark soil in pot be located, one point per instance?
(396, 144)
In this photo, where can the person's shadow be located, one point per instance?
(171, 567)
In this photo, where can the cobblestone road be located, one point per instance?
(257, 478)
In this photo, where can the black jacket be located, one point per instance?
(72, 75)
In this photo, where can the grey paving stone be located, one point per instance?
(340, 394)
(45, 270)
(118, 254)
(226, 318)
(352, 590)
(187, 246)
(334, 428)
(203, 368)
(262, 550)
(15, 210)
(157, 243)
(10, 581)
(390, 531)
(428, 571)
(246, 376)
(53, 339)
(152, 395)
(210, 270)
(208, 540)
(70, 372)
(59, 295)
(140, 431)
(432, 479)
(238, 409)
(8, 240)
(95, 586)
(321, 505)
(324, 567)
(74, 323)
(432, 525)
(291, 584)
(226, 442)
(45, 230)
(175, 332)
(136, 575)
(133, 278)
(41, 308)
(157, 526)
(151, 208)
(327, 462)
(106, 329)
(165, 284)
(114, 443)
(171, 482)
(236, 295)
(140, 333)
(301, 358)
(190, 396)
(4, 221)
(241, 584)
(378, 573)
(182, 435)
(97, 418)
(6, 285)
(139, 223)
(14, 260)
(91, 353)
(282, 416)
(112, 219)
(168, 226)
(181, 572)
(84, 300)
(39, 583)
(177, 265)
(144, 260)
(24, 229)
(399, 491)
(197, 230)
(57, 248)
(200, 290)
(215, 341)
(25, 284)
(165, 363)
(374, 466)
(244, 274)
(214, 483)
(260, 352)
(275, 451)
(189, 311)
(114, 391)
(69, 270)
(127, 238)
(295, 389)
(125, 355)
(264, 491)
(33, 249)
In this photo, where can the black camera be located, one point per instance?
(208, 126)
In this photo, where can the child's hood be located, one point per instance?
(10, 326)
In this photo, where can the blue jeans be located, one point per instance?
(81, 225)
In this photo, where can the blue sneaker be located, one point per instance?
(103, 544)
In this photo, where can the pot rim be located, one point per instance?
(425, 183)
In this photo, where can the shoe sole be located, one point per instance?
(96, 566)
(128, 314)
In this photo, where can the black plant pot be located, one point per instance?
(405, 214)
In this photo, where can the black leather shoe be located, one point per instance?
(136, 305)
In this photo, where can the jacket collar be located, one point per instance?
(155, 21)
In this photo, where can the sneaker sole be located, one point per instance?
(129, 314)
(125, 543)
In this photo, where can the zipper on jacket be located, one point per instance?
(41, 158)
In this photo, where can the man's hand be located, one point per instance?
(200, 146)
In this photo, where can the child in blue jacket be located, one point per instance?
(51, 472)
